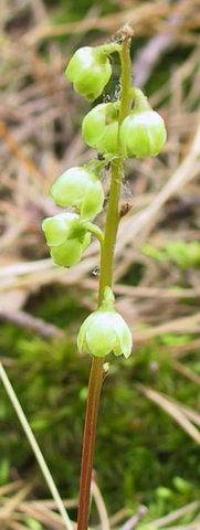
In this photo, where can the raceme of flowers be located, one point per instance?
(141, 134)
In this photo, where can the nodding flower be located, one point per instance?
(105, 331)
(80, 188)
(89, 70)
(67, 238)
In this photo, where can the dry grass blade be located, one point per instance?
(21, 269)
(18, 152)
(26, 321)
(51, 275)
(155, 48)
(110, 22)
(190, 526)
(15, 525)
(144, 221)
(9, 488)
(119, 516)
(177, 514)
(146, 292)
(12, 504)
(43, 515)
(186, 372)
(192, 415)
(50, 504)
(100, 505)
(183, 350)
(180, 325)
(36, 450)
(133, 522)
(172, 410)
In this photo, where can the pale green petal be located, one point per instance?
(82, 58)
(92, 83)
(100, 336)
(143, 134)
(109, 141)
(57, 228)
(67, 254)
(81, 338)
(93, 200)
(79, 188)
(69, 188)
(93, 125)
(124, 337)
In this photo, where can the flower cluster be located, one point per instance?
(68, 234)
(140, 134)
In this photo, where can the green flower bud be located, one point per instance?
(143, 132)
(81, 189)
(105, 331)
(89, 70)
(100, 128)
(66, 237)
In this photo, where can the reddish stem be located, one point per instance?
(89, 437)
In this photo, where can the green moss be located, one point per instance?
(140, 448)
(183, 255)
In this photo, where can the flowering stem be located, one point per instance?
(117, 171)
(106, 279)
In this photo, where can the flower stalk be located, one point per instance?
(106, 279)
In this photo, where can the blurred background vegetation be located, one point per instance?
(148, 435)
